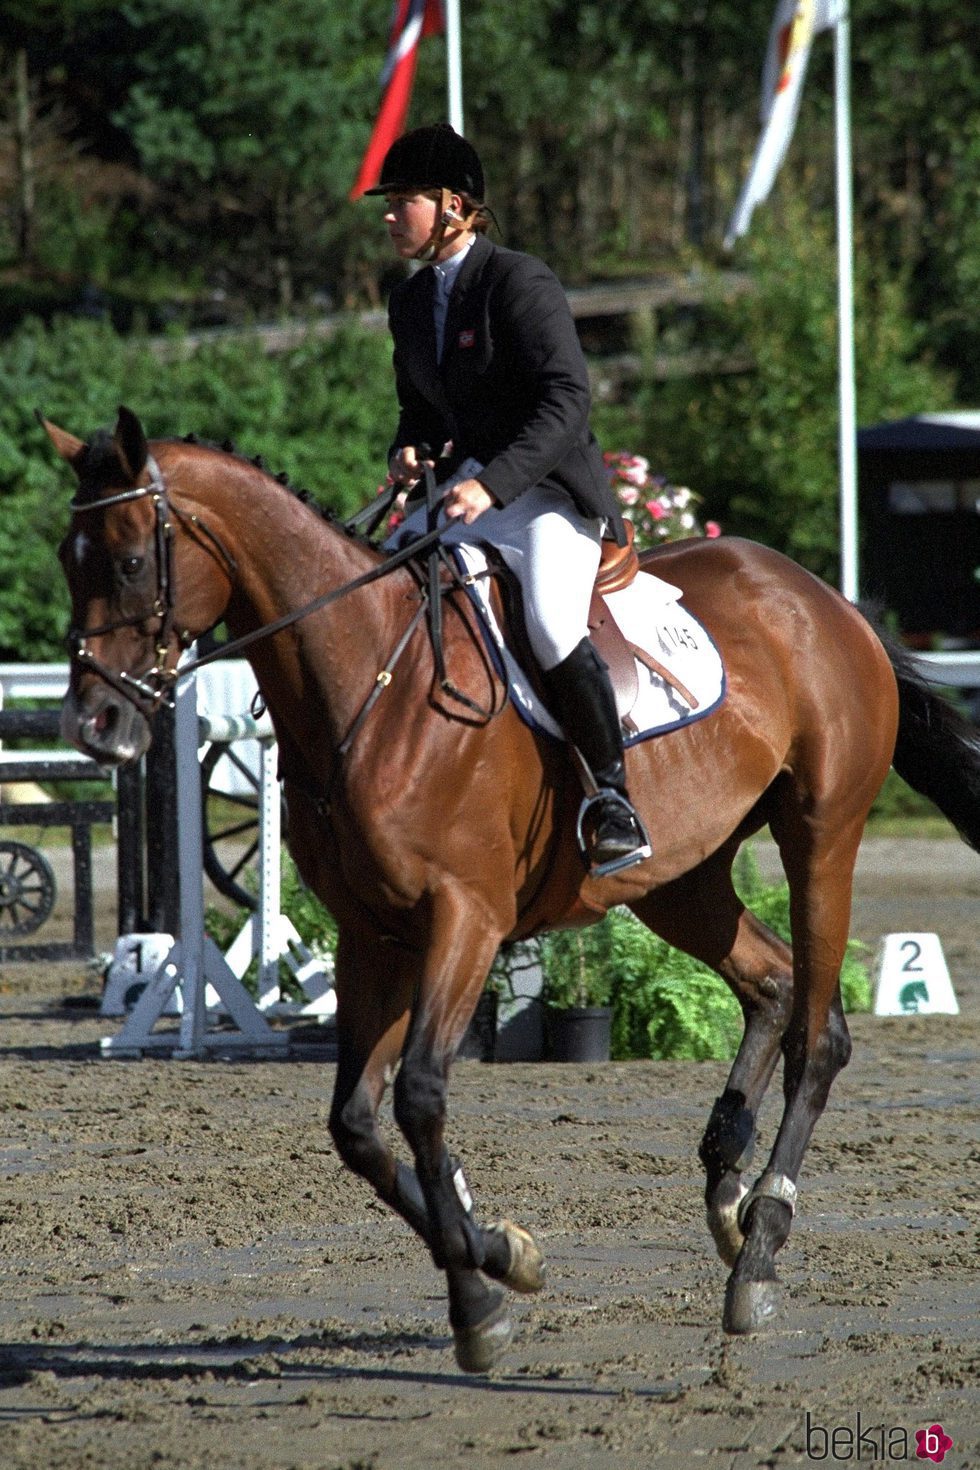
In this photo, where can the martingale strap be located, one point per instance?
(382, 681)
(437, 559)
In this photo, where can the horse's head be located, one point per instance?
(119, 559)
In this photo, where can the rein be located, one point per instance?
(157, 684)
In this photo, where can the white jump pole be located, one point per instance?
(195, 961)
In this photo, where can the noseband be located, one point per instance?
(153, 687)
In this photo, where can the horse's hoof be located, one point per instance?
(724, 1226)
(478, 1348)
(750, 1305)
(526, 1270)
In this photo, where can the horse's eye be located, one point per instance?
(131, 566)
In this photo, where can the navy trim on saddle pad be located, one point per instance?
(530, 707)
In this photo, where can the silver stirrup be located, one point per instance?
(639, 854)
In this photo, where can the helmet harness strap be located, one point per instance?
(446, 218)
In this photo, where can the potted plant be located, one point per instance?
(576, 990)
(479, 1043)
(480, 1038)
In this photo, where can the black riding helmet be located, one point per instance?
(433, 157)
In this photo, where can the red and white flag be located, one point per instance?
(794, 26)
(411, 20)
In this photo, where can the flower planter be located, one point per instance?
(578, 1034)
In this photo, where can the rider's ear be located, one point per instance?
(130, 442)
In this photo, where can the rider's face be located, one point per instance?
(411, 219)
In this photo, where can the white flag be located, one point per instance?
(794, 25)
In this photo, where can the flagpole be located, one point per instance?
(454, 66)
(847, 430)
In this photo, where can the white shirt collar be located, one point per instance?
(447, 270)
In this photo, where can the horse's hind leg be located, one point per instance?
(816, 1046)
(702, 914)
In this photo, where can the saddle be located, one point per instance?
(618, 566)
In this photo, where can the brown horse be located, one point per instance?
(434, 835)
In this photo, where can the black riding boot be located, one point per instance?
(583, 702)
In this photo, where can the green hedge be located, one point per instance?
(322, 412)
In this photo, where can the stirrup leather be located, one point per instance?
(639, 854)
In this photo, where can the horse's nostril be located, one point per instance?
(105, 719)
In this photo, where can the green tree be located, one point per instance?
(247, 118)
(321, 413)
(762, 446)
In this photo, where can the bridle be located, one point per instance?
(152, 687)
(156, 685)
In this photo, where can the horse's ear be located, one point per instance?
(71, 449)
(130, 442)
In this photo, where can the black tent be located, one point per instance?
(919, 496)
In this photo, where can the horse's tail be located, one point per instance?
(937, 750)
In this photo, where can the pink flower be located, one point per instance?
(655, 510)
(635, 471)
(712, 530)
(628, 494)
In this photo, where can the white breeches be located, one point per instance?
(553, 552)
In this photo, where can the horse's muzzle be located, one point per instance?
(104, 725)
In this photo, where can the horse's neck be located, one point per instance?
(287, 556)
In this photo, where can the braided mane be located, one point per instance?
(325, 512)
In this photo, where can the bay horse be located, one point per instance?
(434, 833)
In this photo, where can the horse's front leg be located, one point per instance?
(462, 944)
(372, 1021)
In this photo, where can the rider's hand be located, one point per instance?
(405, 467)
(467, 500)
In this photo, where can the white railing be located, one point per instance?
(228, 685)
(954, 668)
(192, 965)
(33, 681)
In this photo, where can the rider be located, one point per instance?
(488, 362)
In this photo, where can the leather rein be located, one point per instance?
(156, 685)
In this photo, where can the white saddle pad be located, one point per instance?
(650, 615)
